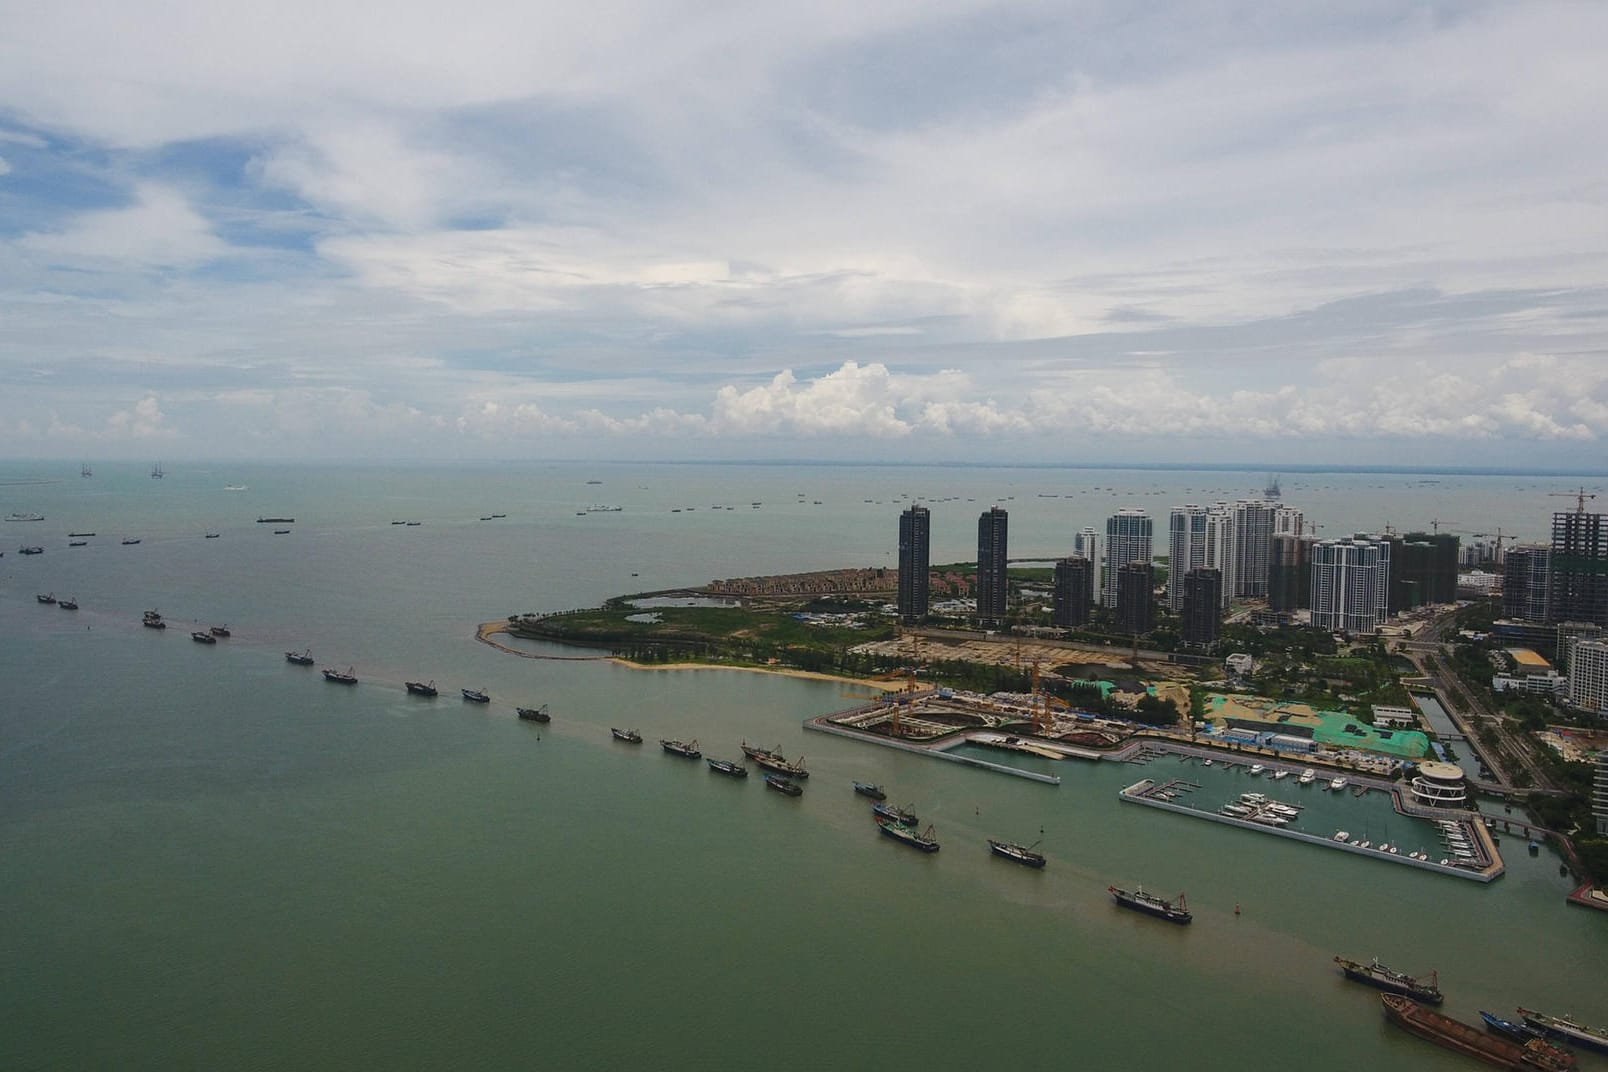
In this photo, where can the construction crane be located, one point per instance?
(1434, 526)
(1579, 497)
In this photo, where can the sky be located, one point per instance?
(1058, 232)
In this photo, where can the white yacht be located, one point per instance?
(1337, 784)
(1257, 768)
(1308, 776)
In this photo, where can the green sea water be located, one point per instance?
(210, 858)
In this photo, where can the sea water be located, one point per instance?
(212, 858)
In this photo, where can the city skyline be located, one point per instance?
(980, 232)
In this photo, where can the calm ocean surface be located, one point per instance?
(210, 858)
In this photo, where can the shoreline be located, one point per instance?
(486, 630)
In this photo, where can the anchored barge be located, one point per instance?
(1471, 1041)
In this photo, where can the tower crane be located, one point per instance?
(1579, 497)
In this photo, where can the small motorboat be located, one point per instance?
(67, 604)
(219, 631)
(46, 598)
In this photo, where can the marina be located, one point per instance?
(1483, 863)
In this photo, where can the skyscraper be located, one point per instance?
(1200, 537)
(1086, 544)
(1579, 568)
(991, 558)
(1136, 605)
(1186, 549)
(1350, 584)
(915, 532)
(1128, 534)
(1289, 579)
(1423, 569)
(1202, 611)
(1074, 592)
(1588, 676)
(1254, 524)
(1527, 583)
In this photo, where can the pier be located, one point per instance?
(936, 749)
(1489, 868)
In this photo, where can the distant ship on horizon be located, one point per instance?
(85, 470)
(156, 471)
(1272, 491)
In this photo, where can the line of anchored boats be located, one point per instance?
(1531, 1042)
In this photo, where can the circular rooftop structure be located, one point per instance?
(1441, 772)
(1439, 785)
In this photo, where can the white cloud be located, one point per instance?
(144, 420)
(159, 229)
(5, 168)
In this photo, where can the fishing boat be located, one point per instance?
(1568, 1029)
(72, 534)
(153, 620)
(1517, 1030)
(754, 751)
(30, 550)
(25, 517)
(893, 814)
(628, 736)
(866, 789)
(304, 658)
(276, 521)
(130, 541)
(422, 688)
(348, 678)
(689, 749)
(783, 785)
(908, 836)
(219, 631)
(1376, 974)
(201, 637)
(68, 604)
(1022, 854)
(1471, 1041)
(46, 598)
(777, 765)
(210, 536)
(534, 714)
(726, 766)
(475, 695)
(1174, 911)
(77, 543)
(156, 471)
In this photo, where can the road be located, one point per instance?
(1470, 712)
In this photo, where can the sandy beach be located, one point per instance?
(487, 630)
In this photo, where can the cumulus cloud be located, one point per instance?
(5, 168)
(144, 420)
